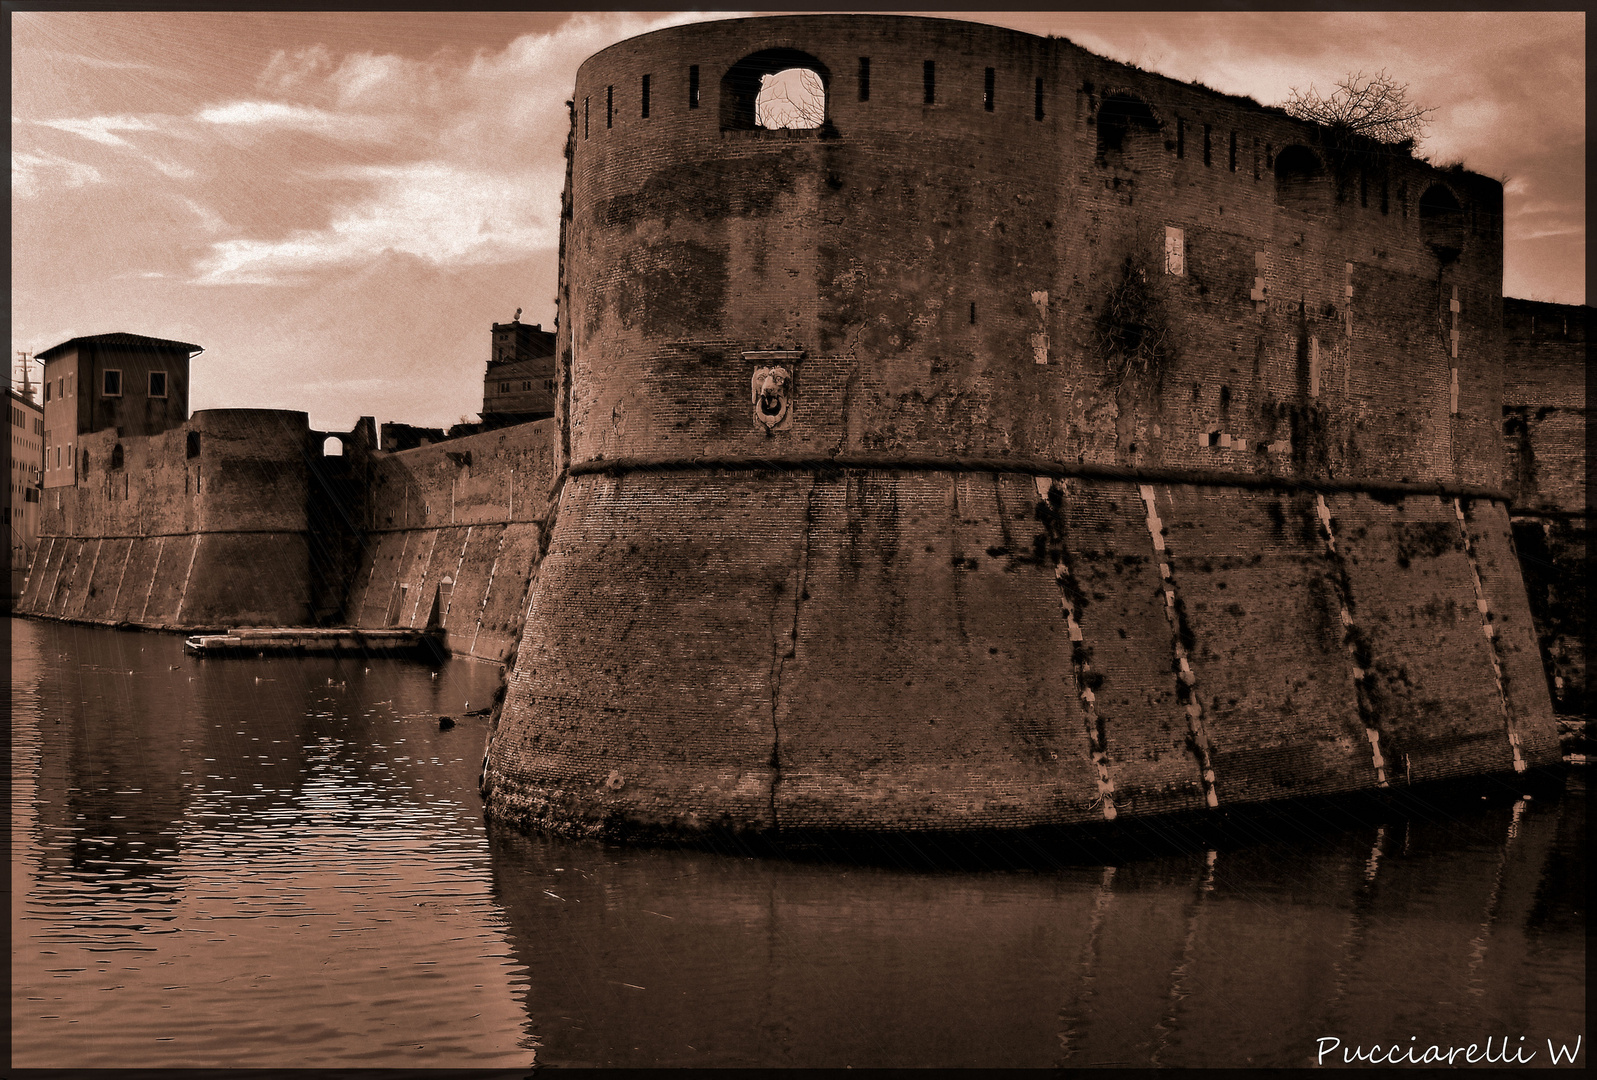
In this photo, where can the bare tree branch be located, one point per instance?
(1376, 106)
(795, 98)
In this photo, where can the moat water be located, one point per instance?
(283, 862)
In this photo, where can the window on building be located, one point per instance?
(526, 384)
(1121, 116)
(112, 386)
(47, 390)
(504, 388)
(158, 384)
(1300, 182)
(1175, 251)
(774, 90)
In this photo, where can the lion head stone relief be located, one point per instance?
(772, 392)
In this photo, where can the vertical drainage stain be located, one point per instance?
(88, 582)
(1352, 638)
(1051, 513)
(782, 652)
(187, 574)
(160, 549)
(1186, 687)
(482, 609)
(1484, 607)
(116, 601)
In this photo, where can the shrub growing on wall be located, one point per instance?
(1134, 331)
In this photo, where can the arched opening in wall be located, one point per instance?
(1300, 182)
(1442, 222)
(332, 446)
(116, 456)
(1120, 116)
(775, 90)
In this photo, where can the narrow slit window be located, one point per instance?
(973, 313)
(645, 97)
(1037, 112)
(864, 78)
(584, 118)
(693, 86)
(987, 91)
(609, 106)
(929, 77)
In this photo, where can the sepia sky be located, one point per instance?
(336, 206)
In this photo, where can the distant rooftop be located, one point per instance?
(136, 340)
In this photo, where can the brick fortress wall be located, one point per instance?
(203, 525)
(452, 537)
(897, 608)
(1546, 442)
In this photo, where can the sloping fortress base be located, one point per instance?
(1023, 443)
(1023, 439)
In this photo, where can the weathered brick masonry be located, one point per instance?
(202, 525)
(1037, 440)
(242, 518)
(452, 538)
(1547, 444)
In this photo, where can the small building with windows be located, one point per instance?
(520, 383)
(138, 385)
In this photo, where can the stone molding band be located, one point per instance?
(86, 537)
(1537, 512)
(1028, 467)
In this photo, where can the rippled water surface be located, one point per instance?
(269, 862)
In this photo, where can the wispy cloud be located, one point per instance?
(286, 116)
(434, 211)
(101, 129)
(478, 175)
(32, 173)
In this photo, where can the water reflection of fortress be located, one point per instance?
(1034, 440)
